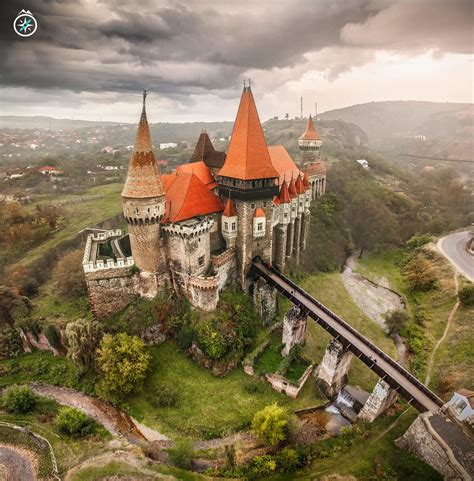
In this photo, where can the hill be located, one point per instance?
(44, 123)
(385, 120)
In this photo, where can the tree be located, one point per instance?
(11, 344)
(82, 340)
(19, 399)
(270, 424)
(123, 361)
(420, 273)
(396, 320)
(466, 295)
(74, 423)
(69, 276)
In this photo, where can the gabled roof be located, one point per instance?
(299, 185)
(259, 212)
(292, 189)
(310, 133)
(283, 162)
(143, 178)
(188, 197)
(201, 170)
(284, 196)
(315, 168)
(248, 156)
(229, 209)
(205, 152)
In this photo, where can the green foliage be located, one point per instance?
(52, 335)
(290, 459)
(82, 339)
(181, 454)
(19, 399)
(13, 307)
(165, 396)
(212, 338)
(466, 295)
(396, 321)
(74, 423)
(418, 240)
(270, 424)
(420, 273)
(420, 346)
(10, 342)
(123, 362)
(261, 466)
(69, 276)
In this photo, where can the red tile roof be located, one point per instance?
(283, 162)
(188, 197)
(292, 189)
(201, 170)
(306, 184)
(143, 178)
(284, 196)
(259, 212)
(229, 210)
(248, 156)
(310, 133)
(205, 152)
(315, 168)
(299, 185)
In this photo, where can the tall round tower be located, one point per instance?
(310, 143)
(143, 199)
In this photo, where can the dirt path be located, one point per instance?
(16, 464)
(117, 422)
(429, 370)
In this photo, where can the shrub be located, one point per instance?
(68, 274)
(10, 342)
(123, 361)
(270, 424)
(466, 295)
(73, 422)
(418, 240)
(19, 399)
(82, 339)
(290, 460)
(420, 273)
(181, 455)
(261, 466)
(396, 320)
(52, 335)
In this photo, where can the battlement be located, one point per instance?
(189, 228)
(223, 258)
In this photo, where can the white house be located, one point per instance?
(462, 403)
(363, 163)
(168, 145)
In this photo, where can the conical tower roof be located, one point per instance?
(292, 189)
(205, 152)
(310, 133)
(284, 196)
(229, 209)
(306, 184)
(299, 185)
(248, 157)
(143, 178)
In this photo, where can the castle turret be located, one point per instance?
(310, 143)
(229, 223)
(249, 177)
(143, 199)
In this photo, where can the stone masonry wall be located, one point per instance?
(110, 290)
(224, 265)
(146, 246)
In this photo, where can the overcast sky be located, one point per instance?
(90, 59)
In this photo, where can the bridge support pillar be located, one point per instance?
(264, 300)
(294, 329)
(332, 372)
(382, 397)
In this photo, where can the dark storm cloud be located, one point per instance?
(123, 45)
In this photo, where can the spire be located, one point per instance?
(229, 210)
(284, 196)
(143, 178)
(310, 133)
(248, 157)
(292, 189)
(306, 181)
(299, 185)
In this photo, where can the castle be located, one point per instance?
(198, 228)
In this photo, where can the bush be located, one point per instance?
(420, 273)
(10, 342)
(75, 423)
(123, 361)
(418, 240)
(290, 460)
(466, 296)
(270, 424)
(69, 276)
(396, 321)
(19, 399)
(261, 467)
(53, 336)
(181, 455)
(82, 340)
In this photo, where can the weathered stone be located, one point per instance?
(382, 397)
(294, 329)
(332, 372)
(265, 300)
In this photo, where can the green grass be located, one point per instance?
(329, 289)
(208, 406)
(79, 216)
(68, 451)
(269, 360)
(296, 370)
(368, 457)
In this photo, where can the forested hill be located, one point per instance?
(385, 120)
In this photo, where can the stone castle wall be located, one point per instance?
(147, 247)
(224, 265)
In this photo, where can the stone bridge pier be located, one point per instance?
(382, 397)
(332, 372)
(295, 322)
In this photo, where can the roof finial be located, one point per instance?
(249, 83)
(144, 95)
(143, 118)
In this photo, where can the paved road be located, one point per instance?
(14, 466)
(453, 247)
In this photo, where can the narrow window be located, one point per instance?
(201, 261)
(233, 226)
